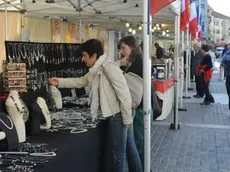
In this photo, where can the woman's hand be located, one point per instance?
(53, 81)
(124, 61)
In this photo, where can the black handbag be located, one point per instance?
(10, 143)
(156, 104)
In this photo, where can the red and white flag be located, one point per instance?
(156, 5)
(185, 14)
(193, 19)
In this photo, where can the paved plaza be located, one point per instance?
(203, 142)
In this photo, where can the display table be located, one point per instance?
(76, 152)
(165, 92)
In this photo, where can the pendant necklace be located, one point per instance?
(10, 127)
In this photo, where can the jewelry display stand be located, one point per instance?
(57, 97)
(42, 104)
(14, 75)
(15, 109)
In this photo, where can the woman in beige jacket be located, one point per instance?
(109, 92)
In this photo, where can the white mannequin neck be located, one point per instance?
(14, 108)
(42, 104)
(14, 93)
(56, 94)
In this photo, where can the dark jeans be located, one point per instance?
(133, 157)
(121, 142)
(228, 89)
(208, 95)
(199, 86)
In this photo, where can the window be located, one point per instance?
(202, 6)
(217, 31)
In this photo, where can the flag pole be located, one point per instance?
(175, 125)
(147, 84)
(189, 60)
(187, 66)
(181, 108)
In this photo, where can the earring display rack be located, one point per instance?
(14, 76)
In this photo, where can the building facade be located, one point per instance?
(218, 26)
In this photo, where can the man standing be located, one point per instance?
(205, 72)
(196, 59)
(159, 51)
(225, 67)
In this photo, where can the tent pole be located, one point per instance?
(189, 60)
(6, 21)
(175, 125)
(22, 25)
(181, 74)
(147, 84)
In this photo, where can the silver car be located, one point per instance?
(219, 51)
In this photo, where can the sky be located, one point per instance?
(220, 6)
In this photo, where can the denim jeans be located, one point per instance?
(122, 142)
(118, 136)
(133, 157)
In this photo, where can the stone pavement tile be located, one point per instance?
(215, 114)
(190, 149)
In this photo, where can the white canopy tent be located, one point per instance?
(107, 14)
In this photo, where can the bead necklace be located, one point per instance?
(16, 105)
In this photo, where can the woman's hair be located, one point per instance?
(133, 44)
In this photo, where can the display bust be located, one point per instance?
(15, 109)
(45, 111)
(57, 97)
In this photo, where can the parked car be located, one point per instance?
(219, 51)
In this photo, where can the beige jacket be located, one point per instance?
(113, 90)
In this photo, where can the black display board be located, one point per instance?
(46, 60)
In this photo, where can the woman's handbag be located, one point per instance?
(135, 84)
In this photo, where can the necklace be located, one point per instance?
(16, 105)
(11, 123)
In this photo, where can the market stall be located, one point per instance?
(56, 121)
(104, 14)
(163, 80)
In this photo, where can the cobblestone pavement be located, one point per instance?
(203, 142)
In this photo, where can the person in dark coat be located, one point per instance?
(196, 59)
(205, 71)
(159, 51)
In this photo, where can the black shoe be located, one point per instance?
(206, 103)
(197, 96)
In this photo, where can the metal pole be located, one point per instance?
(6, 21)
(175, 125)
(147, 84)
(187, 63)
(22, 25)
(182, 72)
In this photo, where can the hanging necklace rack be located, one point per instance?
(45, 60)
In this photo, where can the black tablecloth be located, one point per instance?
(81, 152)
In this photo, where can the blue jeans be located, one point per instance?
(133, 157)
(123, 144)
(118, 135)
